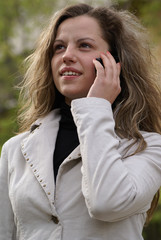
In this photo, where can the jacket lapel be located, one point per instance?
(38, 150)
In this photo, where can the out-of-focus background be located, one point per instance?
(21, 21)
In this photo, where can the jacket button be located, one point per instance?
(55, 219)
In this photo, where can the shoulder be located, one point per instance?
(11, 149)
(152, 139)
(14, 142)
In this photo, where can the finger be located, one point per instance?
(111, 58)
(116, 66)
(98, 66)
(109, 65)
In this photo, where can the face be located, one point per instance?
(78, 41)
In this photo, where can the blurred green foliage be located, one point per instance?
(8, 126)
(149, 12)
(18, 20)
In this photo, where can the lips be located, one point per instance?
(69, 72)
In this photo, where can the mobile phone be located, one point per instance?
(100, 60)
(114, 56)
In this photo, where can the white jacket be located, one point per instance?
(100, 193)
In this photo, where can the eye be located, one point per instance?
(58, 47)
(85, 45)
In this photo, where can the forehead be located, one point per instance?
(78, 26)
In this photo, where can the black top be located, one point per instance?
(67, 138)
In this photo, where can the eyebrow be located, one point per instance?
(79, 40)
(58, 40)
(86, 38)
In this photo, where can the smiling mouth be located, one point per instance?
(70, 73)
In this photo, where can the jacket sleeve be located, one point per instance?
(7, 227)
(114, 188)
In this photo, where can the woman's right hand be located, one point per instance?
(107, 81)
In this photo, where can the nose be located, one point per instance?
(69, 55)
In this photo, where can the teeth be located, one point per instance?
(70, 74)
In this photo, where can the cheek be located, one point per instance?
(90, 70)
(54, 68)
(53, 65)
(88, 64)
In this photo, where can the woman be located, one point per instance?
(97, 176)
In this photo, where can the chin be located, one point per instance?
(73, 94)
